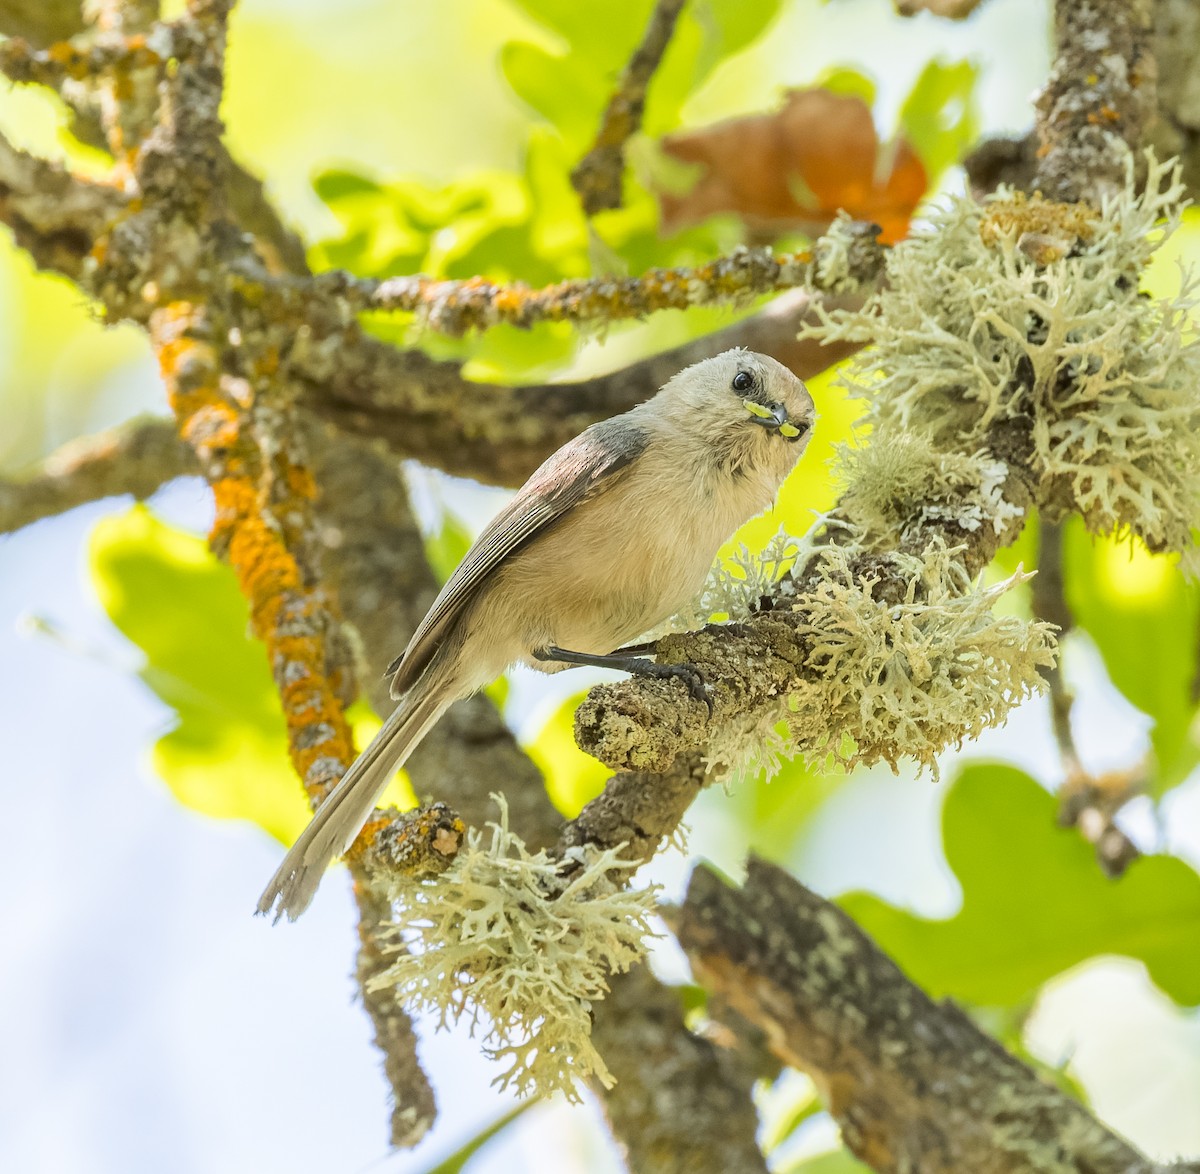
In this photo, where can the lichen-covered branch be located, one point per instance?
(414, 1109)
(1171, 124)
(1099, 99)
(137, 458)
(637, 810)
(597, 178)
(914, 1084)
(847, 258)
(68, 61)
(975, 417)
(680, 1102)
(55, 216)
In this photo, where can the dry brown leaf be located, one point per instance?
(792, 170)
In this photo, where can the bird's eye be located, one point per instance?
(743, 381)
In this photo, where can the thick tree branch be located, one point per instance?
(1174, 131)
(681, 1103)
(137, 458)
(914, 1084)
(597, 178)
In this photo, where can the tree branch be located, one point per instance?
(455, 307)
(1087, 803)
(681, 1103)
(1099, 98)
(136, 458)
(597, 178)
(914, 1084)
(55, 216)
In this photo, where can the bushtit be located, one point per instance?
(614, 534)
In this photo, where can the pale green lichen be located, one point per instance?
(886, 681)
(914, 678)
(504, 938)
(834, 268)
(736, 585)
(1028, 310)
(902, 487)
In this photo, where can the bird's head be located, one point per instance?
(750, 407)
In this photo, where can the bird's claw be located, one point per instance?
(691, 678)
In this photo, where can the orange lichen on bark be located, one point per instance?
(454, 307)
(417, 843)
(1021, 213)
(253, 493)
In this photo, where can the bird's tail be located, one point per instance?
(346, 808)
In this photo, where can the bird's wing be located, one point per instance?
(579, 470)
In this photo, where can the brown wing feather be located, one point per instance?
(579, 470)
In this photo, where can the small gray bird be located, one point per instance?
(614, 534)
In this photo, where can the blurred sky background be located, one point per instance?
(147, 1021)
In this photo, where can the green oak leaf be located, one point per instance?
(939, 118)
(1035, 903)
(1141, 614)
(226, 754)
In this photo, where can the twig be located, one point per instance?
(137, 458)
(914, 1084)
(597, 178)
(414, 1108)
(455, 307)
(1087, 803)
(1050, 604)
(67, 61)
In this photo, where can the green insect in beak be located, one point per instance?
(774, 418)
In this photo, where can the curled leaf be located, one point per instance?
(794, 169)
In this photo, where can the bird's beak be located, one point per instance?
(774, 417)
